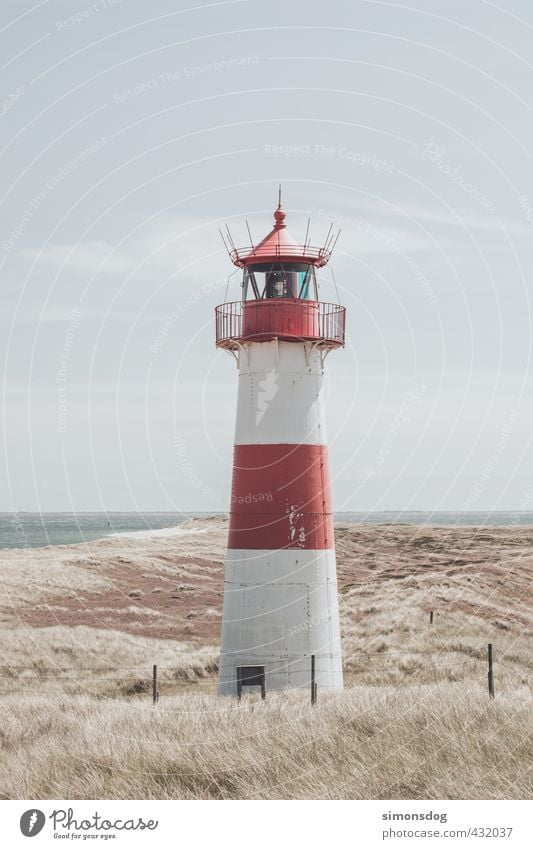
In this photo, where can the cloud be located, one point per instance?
(458, 217)
(160, 250)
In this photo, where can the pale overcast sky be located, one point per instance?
(130, 131)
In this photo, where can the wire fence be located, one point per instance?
(146, 680)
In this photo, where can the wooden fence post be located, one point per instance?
(155, 694)
(313, 682)
(491, 672)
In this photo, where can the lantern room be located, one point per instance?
(280, 280)
(279, 297)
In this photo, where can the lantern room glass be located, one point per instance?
(280, 280)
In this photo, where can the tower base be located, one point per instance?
(279, 623)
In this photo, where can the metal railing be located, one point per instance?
(240, 256)
(329, 325)
(228, 319)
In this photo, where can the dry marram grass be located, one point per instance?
(436, 741)
(414, 722)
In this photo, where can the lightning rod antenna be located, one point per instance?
(333, 245)
(307, 233)
(223, 239)
(230, 238)
(328, 236)
(249, 234)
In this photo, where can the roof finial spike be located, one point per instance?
(279, 214)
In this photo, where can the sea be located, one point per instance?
(35, 530)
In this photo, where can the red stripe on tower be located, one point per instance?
(293, 507)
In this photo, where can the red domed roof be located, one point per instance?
(278, 243)
(279, 246)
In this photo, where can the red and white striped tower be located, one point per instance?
(280, 591)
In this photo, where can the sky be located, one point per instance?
(130, 132)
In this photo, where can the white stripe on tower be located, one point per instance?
(279, 398)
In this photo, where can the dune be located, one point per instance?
(82, 626)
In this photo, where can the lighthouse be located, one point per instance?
(280, 615)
